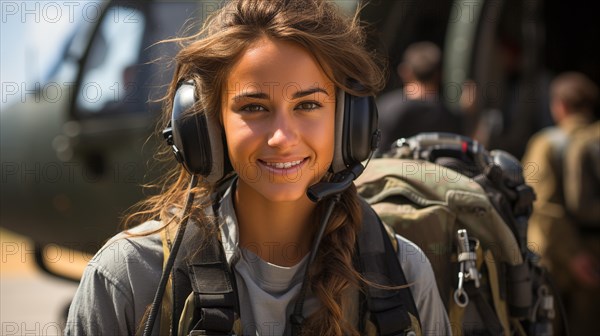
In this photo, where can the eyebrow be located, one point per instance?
(296, 95)
(300, 94)
(256, 95)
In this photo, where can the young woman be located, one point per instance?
(269, 74)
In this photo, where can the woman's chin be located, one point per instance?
(283, 193)
(277, 192)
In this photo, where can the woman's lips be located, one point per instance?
(286, 167)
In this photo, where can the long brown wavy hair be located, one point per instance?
(338, 43)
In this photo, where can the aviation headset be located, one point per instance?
(198, 142)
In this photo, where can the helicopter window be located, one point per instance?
(164, 20)
(66, 66)
(109, 69)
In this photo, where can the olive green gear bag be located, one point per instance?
(467, 209)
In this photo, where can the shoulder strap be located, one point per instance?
(167, 302)
(201, 267)
(390, 309)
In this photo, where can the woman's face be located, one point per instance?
(279, 115)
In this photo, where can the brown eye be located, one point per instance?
(308, 106)
(253, 108)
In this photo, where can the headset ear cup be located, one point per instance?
(361, 128)
(218, 148)
(356, 130)
(197, 137)
(338, 164)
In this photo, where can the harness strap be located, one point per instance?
(213, 288)
(520, 296)
(201, 268)
(456, 316)
(181, 286)
(488, 316)
(389, 309)
(205, 273)
(167, 302)
(495, 321)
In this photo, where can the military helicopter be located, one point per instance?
(76, 151)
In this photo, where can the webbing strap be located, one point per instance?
(493, 325)
(389, 309)
(456, 315)
(499, 302)
(214, 295)
(167, 302)
(202, 268)
(520, 296)
(486, 312)
(205, 272)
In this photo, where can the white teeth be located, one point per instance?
(284, 165)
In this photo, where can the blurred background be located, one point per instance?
(81, 80)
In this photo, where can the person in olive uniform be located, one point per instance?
(560, 230)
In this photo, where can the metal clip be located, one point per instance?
(468, 267)
(544, 306)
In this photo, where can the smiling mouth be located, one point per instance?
(283, 165)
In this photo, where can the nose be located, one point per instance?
(284, 131)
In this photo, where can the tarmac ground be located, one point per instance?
(32, 301)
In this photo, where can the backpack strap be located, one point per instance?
(167, 302)
(390, 310)
(201, 268)
(204, 270)
(495, 269)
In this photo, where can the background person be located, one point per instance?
(568, 244)
(418, 106)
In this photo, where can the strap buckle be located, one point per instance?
(544, 306)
